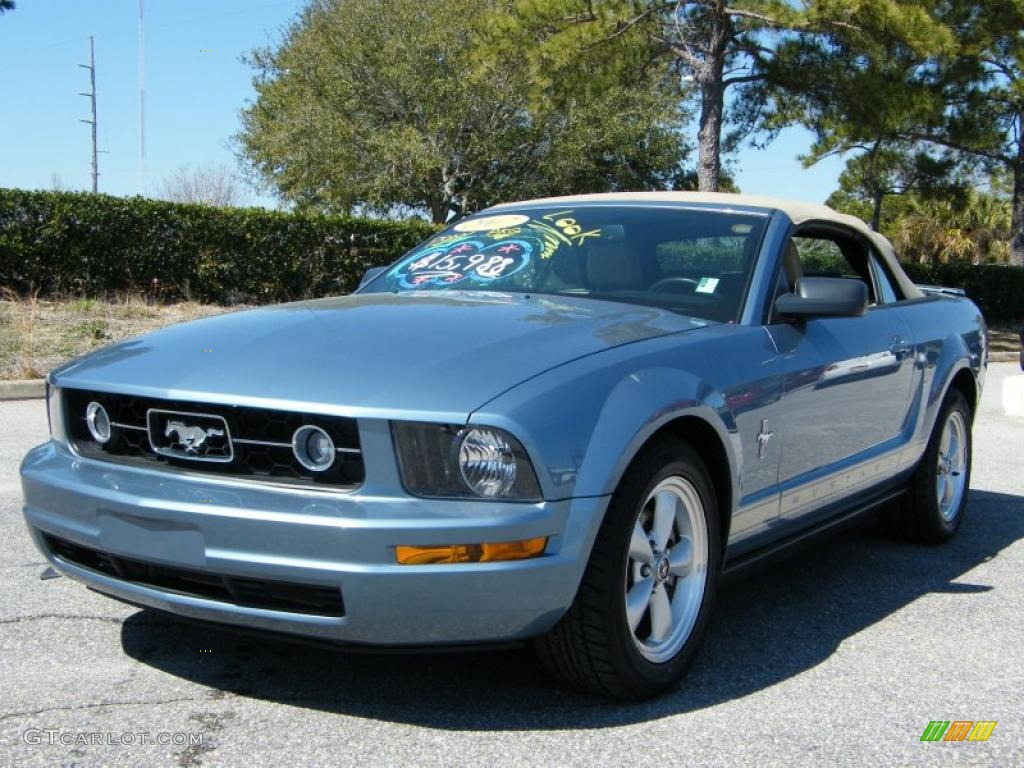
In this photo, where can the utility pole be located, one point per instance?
(91, 66)
(142, 104)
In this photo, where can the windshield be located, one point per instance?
(695, 262)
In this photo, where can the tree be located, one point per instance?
(887, 169)
(917, 108)
(878, 173)
(214, 185)
(712, 47)
(6, 5)
(983, 85)
(861, 95)
(391, 107)
(937, 230)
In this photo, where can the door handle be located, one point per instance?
(900, 346)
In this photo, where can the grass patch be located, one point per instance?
(84, 305)
(37, 335)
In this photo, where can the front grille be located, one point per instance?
(316, 599)
(260, 438)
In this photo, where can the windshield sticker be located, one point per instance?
(570, 228)
(562, 230)
(470, 259)
(491, 223)
(502, 234)
(488, 248)
(552, 230)
(448, 239)
(706, 285)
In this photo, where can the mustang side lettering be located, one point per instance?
(558, 421)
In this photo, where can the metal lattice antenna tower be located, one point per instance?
(91, 66)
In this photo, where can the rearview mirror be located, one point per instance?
(371, 273)
(824, 297)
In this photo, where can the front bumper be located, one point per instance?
(343, 541)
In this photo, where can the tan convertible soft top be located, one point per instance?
(798, 211)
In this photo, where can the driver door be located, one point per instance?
(846, 381)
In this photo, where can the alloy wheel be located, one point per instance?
(951, 466)
(666, 570)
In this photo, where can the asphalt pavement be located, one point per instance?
(839, 656)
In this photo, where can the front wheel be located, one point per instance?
(645, 599)
(933, 507)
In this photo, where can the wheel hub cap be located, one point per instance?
(664, 568)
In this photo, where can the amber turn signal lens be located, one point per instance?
(471, 553)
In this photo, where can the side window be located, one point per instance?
(887, 292)
(828, 254)
(822, 257)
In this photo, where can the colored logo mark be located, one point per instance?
(958, 730)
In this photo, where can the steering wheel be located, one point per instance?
(667, 281)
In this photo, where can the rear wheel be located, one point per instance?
(645, 599)
(933, 507)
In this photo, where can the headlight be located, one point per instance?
(55, 413)
(450, 461)
(487, 463)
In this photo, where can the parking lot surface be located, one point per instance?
(840, 655)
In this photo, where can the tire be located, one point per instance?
(666, 496)
(932, 509)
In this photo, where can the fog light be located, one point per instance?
(313, 448)
(471, 553)
(98, 421)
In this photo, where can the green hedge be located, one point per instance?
(85, 244)
(997, 290)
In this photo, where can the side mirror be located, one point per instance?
(371, 273)
(824, 297)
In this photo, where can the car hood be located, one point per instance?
(426, 354)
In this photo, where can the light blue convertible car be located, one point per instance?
(559, 421)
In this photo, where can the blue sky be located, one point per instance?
(195, 87)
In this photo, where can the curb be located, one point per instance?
(22, 390)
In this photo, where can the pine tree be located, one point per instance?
(712, 47)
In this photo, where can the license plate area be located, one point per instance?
(157, 540)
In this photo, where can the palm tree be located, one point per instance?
(938, 231)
